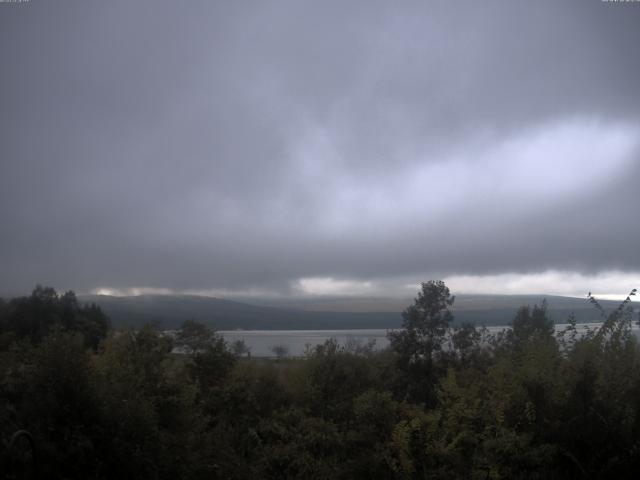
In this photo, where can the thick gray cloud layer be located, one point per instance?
(235, 145)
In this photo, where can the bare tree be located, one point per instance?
(280, 351)
(240, 349)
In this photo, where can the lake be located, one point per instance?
(261, 341)
(295, 341)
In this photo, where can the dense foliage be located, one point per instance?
(438, 403)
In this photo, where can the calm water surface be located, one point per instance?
(296, 341)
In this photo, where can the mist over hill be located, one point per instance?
(169, 311)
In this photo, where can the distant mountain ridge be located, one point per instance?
(169, 311)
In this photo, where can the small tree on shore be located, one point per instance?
(240, 349)
(280, 351)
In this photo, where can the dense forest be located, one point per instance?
(91, 402)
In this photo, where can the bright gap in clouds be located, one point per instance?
(131, 292)
(534, 170)
(613, 285)
(606, 285)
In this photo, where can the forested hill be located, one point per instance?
(169, 311)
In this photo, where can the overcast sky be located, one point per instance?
(320, 147)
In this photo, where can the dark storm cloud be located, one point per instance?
(232, 145)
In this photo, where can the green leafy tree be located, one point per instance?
(210, 366)
(530, 323)
(193, 337)
(152, 421)
(418, 343)
(35, 316)
(55, 400)
(331, 377)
